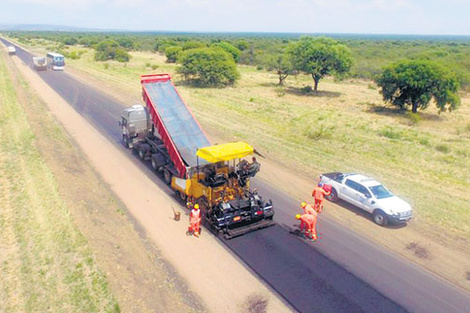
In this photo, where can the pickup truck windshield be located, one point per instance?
(380, 192)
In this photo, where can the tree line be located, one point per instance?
(409, 72)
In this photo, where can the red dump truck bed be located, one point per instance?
(180, 132)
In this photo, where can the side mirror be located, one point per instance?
(368, 196)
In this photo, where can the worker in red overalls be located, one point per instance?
(318, 194)
(195, 221)
(308, 208)
(308, 222)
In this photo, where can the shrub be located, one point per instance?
(74, 55)
(413, 118)
(110, 50)
(306, 90)
(234, 51)
(208, 67)
(172, 53)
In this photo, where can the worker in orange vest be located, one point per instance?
(308, 208)
(318, 194)
(308, 222)
(195, 221)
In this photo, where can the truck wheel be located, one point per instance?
(125, 141)
(380, 218)
(154, 164)
(141, 153)
(167, 176)
(334, 195)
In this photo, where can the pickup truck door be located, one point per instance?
(365, 198)
(350, 192)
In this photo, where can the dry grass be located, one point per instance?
(45, 262)
(344, 127)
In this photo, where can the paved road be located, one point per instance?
(342, 272)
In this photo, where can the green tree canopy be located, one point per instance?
(280, 63)
(172, 53)
(208, 67)
(234, 51)
(193, 45)
(319, 57)
(416, 82)
(110, 50)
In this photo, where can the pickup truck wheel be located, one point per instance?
(380, 218)
(334, 195)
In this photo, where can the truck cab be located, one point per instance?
(134, 123)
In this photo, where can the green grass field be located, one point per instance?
(46, 264)
(345, 127)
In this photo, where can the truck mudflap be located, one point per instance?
(230, 233)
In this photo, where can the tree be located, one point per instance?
(234, 51)
(110, 50)
(208, 67)
(416, 82)
(193, 45)
(280, 63)
(319, 57)
(172, 53)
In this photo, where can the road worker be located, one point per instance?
(254, 167)
(308, 208)
(308, 222)
(318, 194)
(195, 221)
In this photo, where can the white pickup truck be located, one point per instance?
(369, 195)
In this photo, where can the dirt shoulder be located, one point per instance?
(143, 278)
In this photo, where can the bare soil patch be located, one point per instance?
(419, 251)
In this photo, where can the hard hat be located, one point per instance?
(303, 204)
(196, 206)
(297, 216)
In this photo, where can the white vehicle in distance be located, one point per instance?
(11, 50)
(55, 61)
(369, 195)
(40, 63)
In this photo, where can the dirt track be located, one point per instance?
(153, 208)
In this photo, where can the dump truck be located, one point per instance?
(40, 63)
(165, 133)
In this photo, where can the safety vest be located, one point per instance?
(195, 213)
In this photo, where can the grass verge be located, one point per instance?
(45, 261)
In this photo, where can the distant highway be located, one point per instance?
(343, 272)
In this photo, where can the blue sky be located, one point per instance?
(441, 17)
